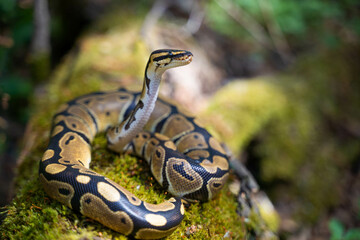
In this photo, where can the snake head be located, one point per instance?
(164, 59)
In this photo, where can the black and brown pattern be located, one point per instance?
(183, 157)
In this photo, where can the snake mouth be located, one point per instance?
(185, 57)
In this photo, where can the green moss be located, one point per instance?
(212, 220)
(240, 110)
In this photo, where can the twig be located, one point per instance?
(247, 22)
(153, 16)
(196, 17)
(41, 37)
(275, 33)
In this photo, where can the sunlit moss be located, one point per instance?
(240, 110)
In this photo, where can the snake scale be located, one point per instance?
(183, 157)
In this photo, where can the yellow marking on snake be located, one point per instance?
(170, 145)
(191, 141)
(119, 102)
(157, 163)
(57, 190)
(74, 150)
(75, 124)
(85, 170)
(108, 192)
(165, 206)
(150, 146)
(83, 179)
(55, 168)
(131, 197)
(218, 162)
(92, 206)
(180, 185)
(197, 154)
(199, 122)
(215, 184)
(62, 108)
(182, 209)
(216, 145)
(58, 129)
(155, 219)
(149, 233)
(140, 140)
(48, 154)
(161, 137)
(176, 125)
(80, 112)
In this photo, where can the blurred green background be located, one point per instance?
(257, 37)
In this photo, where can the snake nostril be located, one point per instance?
(123, 97)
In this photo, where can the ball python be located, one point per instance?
(183, 157)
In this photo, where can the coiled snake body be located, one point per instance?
(184, 158)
